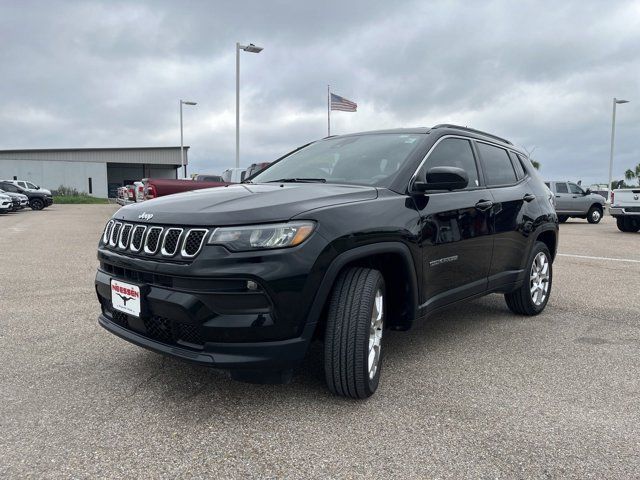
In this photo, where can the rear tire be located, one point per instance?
(628, 225)
(353, 338)
(532, 297)
(562, 218)
(36, 204)
(594, 215)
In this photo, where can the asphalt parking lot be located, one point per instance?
(473, 392)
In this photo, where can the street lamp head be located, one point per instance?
(185, 102)
(251, 48)
(621, 101)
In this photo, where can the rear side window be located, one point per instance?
(561, 188)
(455, 152)
(498, 169)
(517, 165)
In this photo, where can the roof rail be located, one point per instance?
(473, 130)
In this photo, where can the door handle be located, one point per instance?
(529, 197)
(483, 205)
(557, 196)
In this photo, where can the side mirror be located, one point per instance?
(442, 178)
(587, 191)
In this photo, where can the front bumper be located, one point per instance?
(48, 201)
(623, 212)
(279, 355)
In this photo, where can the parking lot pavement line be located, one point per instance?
(599, 258)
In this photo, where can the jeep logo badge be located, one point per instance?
(145, 216)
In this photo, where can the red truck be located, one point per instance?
(154, 188)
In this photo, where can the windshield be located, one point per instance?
(372, 159)
(31, 185)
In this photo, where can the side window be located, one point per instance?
(548, 185)
(575, 188)
(455, 152)
(517, 166)
(561, 188)
(498, 169)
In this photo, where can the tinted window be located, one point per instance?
(498, 169)
(548, 185)
(517, 165)
(575, 189)
(561, 188)
(455, 152)
(10, 188)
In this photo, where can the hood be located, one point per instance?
(244, 203)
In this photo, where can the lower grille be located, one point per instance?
(159, 328)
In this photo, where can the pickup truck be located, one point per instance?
(573, 201)
(154, 188)
(625, 208)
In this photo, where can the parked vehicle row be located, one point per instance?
(149, 188)
(37, 198)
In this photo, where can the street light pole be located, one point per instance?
(184, 166)
(251, 48)
(613, 135)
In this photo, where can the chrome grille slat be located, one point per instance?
(107, 231)
(137, 237)
(115, 234)
(125, 236)
(170, 241)
(193, 241)
(152, 240)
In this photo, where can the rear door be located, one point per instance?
(513, 212)
(455, 231)
(564, 198)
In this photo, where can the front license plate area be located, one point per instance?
(125, 297)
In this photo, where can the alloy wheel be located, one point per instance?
(375, 333)
(539, 279)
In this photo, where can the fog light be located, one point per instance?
(251, 285)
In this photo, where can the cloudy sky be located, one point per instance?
(107, 74)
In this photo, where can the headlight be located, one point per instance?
(261, 237)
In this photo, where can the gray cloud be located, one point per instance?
(111, 73)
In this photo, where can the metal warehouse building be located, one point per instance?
(97, 171)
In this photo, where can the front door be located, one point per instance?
(564, 198)
(455, 233)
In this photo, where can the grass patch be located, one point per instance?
(77, 199)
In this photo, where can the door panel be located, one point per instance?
(513, 220)
(457, 246)
(579, 202)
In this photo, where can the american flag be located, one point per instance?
(342, 104)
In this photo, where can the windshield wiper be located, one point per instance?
(299, 180)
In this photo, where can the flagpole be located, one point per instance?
(328, 111)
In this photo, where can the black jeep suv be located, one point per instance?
(339, 240)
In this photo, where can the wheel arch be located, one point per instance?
(549, 237)
(395, 262)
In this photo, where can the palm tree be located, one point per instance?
(536, 164)
(630, 174)
(638, 171)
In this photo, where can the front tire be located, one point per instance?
(594, 215)
(353, 337)
(532, 297)
(36, 204)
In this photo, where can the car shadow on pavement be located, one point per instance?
(179, 381)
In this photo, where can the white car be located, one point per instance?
(29, 186)
(5, 203)
(233, 175)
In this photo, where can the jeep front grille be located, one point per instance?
(153, 240)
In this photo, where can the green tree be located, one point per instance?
(536, 164)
